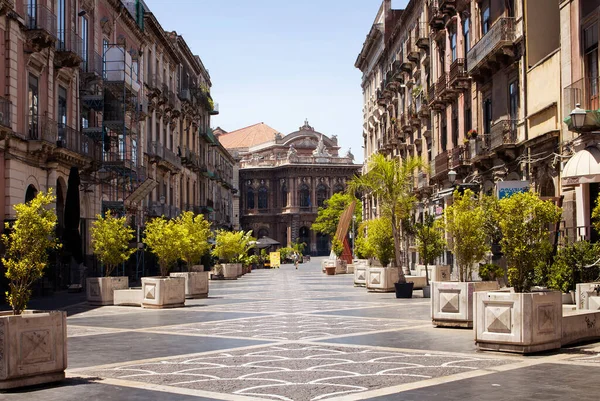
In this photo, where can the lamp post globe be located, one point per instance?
(578, 117)
(452, 176)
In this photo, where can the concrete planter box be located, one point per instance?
(436, 273)
(382, 279)
(360, 275)
(350, 269)
(240, 269)
(230, 271)
(586, 297)
(196, 284)
(99, 290)
(33, 348)
(340, 267)
(418, 281)
(518, 322)
(452, 301)
(163, 292)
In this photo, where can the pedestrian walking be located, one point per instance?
(296, 260)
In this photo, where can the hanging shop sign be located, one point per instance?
(505, 189)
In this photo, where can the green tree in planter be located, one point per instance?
(391, 182)
(247, 243)
(524, 220)
(195, 241)
(362, 248)
(328, 216)
(166, 239)
(231, 244)
(430, 242)
(464, 222)
(337, 247)
(569, 265)
(380, 239)
(27, 244)
(110, 241)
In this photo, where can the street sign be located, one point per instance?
(505, 189)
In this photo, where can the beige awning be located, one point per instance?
(582, 168)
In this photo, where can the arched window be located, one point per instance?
(304, 238)
(250, 198)
(30, 193)
(304, 195)
(263, 198)
(321, 195)
(284, 196)
(263, 232)
(339, 188)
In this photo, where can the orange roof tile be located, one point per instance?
(248, 137)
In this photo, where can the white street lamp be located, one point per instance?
(578, 117)
(452, 176)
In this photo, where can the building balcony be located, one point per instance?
(390, 81)
(413, 116)
(5, 115)
(71, 140)
(215, 109)
(157, 209)
(69, 50)
(448, 7)
(492, 48)
(406, 66)
(91, 66)
(381, 99)
(120, 161)
(422, 36)
(397, 75)
(40, 26)
(480, 147)
(441, 87)
(458, 78)
(413, 54)
(504, 134)
(422, 181)
(434, 102)
(42, 128)
(436, 17)
(165, 157)
(584, 92)
(441, 166)
(459, 157)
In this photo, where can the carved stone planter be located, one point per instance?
(586, 296)
(196, 284)
(436, 273)
(452, 301)
(100, 290)
(163, 292)
(230, 271)
(382, 279)
(360, 275)
(518, 322)
(33, 348)
(340, 267)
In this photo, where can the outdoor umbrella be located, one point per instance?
(71, 238)
(266, 242)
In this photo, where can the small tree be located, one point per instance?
(570, 263)
(195, 241)
(362, 248)
(391, 182)
(166, 239)
(27, 245)
(524, 220)
(430, 242)
(328, 216)
(337, 247)
(380, 239)
(231, 244)
(110, 241)
(464, 221)
(247, 243)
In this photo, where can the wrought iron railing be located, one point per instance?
(5, 112)
(69, 41)
(502, 33)
(441, 84)
(457, 69)
(40, 18)
(42, 128)
(459, 156)
(92, 63)
(441, 164)
(504, 132)
(159, 150)
(480, 146)
(585, 92)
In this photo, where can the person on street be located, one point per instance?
(296, 260)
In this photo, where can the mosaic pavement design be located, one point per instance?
(299, 372)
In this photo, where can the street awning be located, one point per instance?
(266, 242)
(582, 168)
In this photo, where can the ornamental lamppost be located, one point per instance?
(577, 118)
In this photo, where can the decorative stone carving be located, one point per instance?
(163, 292)
(321, 150)
(100, 289)
(196, 283)
(452, 301)
(381, 279)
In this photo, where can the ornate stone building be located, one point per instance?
(284, 179)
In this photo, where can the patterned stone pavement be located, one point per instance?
(289, 334)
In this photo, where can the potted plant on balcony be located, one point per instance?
(472, 134)
(166, 239)
(110, 243)
(465, 225)
(522, 321)
(430, 245)
(194, 245)
(34, 343)
(391, 182)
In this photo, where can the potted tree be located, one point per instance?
(194, 245)
(391, 182)
(338, 248)
(166, 239)
(465, 225)
(430, 245)
(229, 245)
(522, 321)
(110, 243)
(364, 252)
(34, 343)
(382, 278)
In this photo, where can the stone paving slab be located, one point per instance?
(299, 372)
(416, 309)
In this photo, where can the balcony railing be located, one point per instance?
(504, 133)
(158, 150)
(441, 85)
(422, 35)
(42, 128)
(92, 64)
(422, 180)
(5, 112)
(40, 18)
(501, 34)
(480, 146)
(457, 71)
(459, 157)
(441, 164)
(71, 139)
(69, 42)
(586, 92)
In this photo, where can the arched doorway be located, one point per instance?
(304, 237)
(30, 193)
(323, 245)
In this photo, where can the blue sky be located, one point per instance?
(279, 62)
